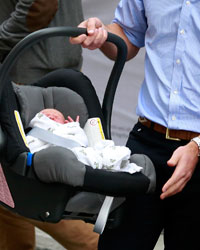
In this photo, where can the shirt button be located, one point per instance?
(175, 92)
(182, 31)
(178, 61)
(173, 118)
(188, 2)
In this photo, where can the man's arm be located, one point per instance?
(97, 35)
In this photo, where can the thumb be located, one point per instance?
(78, 40)
(172, 162)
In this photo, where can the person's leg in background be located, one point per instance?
(72, 234)
(15, 232)
(18, 233)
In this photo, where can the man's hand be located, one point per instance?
(97, 34)
(184, 159)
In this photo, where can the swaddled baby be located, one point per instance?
(54, 121)
(103, 155)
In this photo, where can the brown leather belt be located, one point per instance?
(170, 134)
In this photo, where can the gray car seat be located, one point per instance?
(52, 184)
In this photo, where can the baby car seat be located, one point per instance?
(52, 184)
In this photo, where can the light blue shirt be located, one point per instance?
(170, 32)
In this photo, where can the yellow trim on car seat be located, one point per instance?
(101, 129)
(20, 126)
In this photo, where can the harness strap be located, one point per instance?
(51, 138)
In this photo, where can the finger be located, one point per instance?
(100, 37)
(176, 182)
(176, 176)
(77, 118)
(172, 181)
(172, 162)
(89, 40)
(176, 188)
(70, 119)
(97, 40)
(92, 24)
(104, 36)
(78, 39)
(81, 38)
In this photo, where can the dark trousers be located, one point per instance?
(146, 216)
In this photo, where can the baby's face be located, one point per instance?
(54, 115)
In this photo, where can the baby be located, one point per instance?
(56, 115)
(54, 121)
(103, 155)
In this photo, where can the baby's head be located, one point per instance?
(54, 115)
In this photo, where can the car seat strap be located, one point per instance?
(103, 215)
(51, 138)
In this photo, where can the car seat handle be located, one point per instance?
(42, 34)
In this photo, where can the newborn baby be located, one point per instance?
(103, 155)
(54, 121)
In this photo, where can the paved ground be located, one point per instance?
(97, 67)
(45, 242)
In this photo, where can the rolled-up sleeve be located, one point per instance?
(130, 15)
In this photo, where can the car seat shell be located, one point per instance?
(32, 197)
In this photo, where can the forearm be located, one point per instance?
(110, 50)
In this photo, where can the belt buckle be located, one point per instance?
(167, 136)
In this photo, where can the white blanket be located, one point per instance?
(71, 130)
(103, 155)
